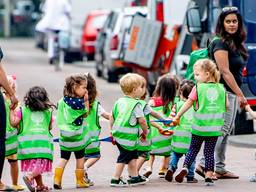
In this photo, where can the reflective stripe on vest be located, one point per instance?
(180, 145)
(206, 128)
(11, 146)
(33, 137)
(180, 133)
(208, 116)
(10, 134)
(72, 133)
(94, 144)
(126, 142)
(28, 151)
(161, 150)
(160, 138)
(145, 144)
(72, 144)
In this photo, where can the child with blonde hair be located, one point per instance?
(35, 143)
(72, 108)
(126, 122)
(11, 142)
(210, 103)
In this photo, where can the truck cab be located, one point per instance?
(201, 21)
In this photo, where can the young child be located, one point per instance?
(145, 147)
(161, 102)
(71, 111)
(210, 103)
(182, 134)
(126, 121)
(35, 144)
(93, 128)
(11, 143)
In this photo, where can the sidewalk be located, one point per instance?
(247, 140)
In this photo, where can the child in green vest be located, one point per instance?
(210, 103)
(71, 110)
(162, 102)
(11, 142)
(93, 128)
(182, 134)
(35, 143)
(126, 122)
(145, 147)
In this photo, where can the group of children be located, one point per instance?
(166, 126)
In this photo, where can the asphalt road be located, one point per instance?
(31, 68)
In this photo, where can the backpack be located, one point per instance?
(196, 55)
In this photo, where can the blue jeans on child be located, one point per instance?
(173, 165)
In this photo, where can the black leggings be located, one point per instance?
(2, 133)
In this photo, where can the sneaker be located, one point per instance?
(192, 180)
(162, 173)
(169, 175)
(118, 183)
(134, 181)
(87, 180)
(208, 182)
(18, 187)
(183, 173)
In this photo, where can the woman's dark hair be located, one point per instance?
(166, 89)
(71, 82)
(186, 87)
(236, 41)
(37, 99)
(91, 88)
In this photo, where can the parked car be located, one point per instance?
(116, 40)
(24, 15)
(92, 25)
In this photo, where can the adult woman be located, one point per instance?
(4, 83)
(230, 55)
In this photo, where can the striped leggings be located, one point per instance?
(195, 146)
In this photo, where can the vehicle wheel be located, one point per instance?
(112, 76)
(98, 70)
(243, 126)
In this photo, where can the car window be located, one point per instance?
(98, 21)
(113, 21)
(127, 22)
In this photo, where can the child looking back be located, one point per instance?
(35, 144)
(126, 122)
(210, 103)
(71, 110)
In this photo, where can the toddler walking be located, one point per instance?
(126, 122)
(11, 142)
(210, 103)
(35, 143)
(182, 134)
(71, 111)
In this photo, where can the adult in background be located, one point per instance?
(4, 83)
(230, 55)
(57, 15)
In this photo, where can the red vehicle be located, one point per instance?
(92, 25)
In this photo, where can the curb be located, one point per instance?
(246, 141)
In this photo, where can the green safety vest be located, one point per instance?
(182, 133)
(11, 142)
(34, 138)
(209, 117)
(71, 135)
(125, 134)
(92, 130)
(145, 146)
(161, 144)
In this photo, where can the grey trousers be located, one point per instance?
(221, 145)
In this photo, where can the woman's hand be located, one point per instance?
(242, 100)
(14, 102)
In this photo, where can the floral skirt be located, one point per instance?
(36, 166)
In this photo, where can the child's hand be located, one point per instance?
(143, 138)
(113, 141)
(253, 114)
(176, 121)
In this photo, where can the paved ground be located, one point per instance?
(30, 66)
